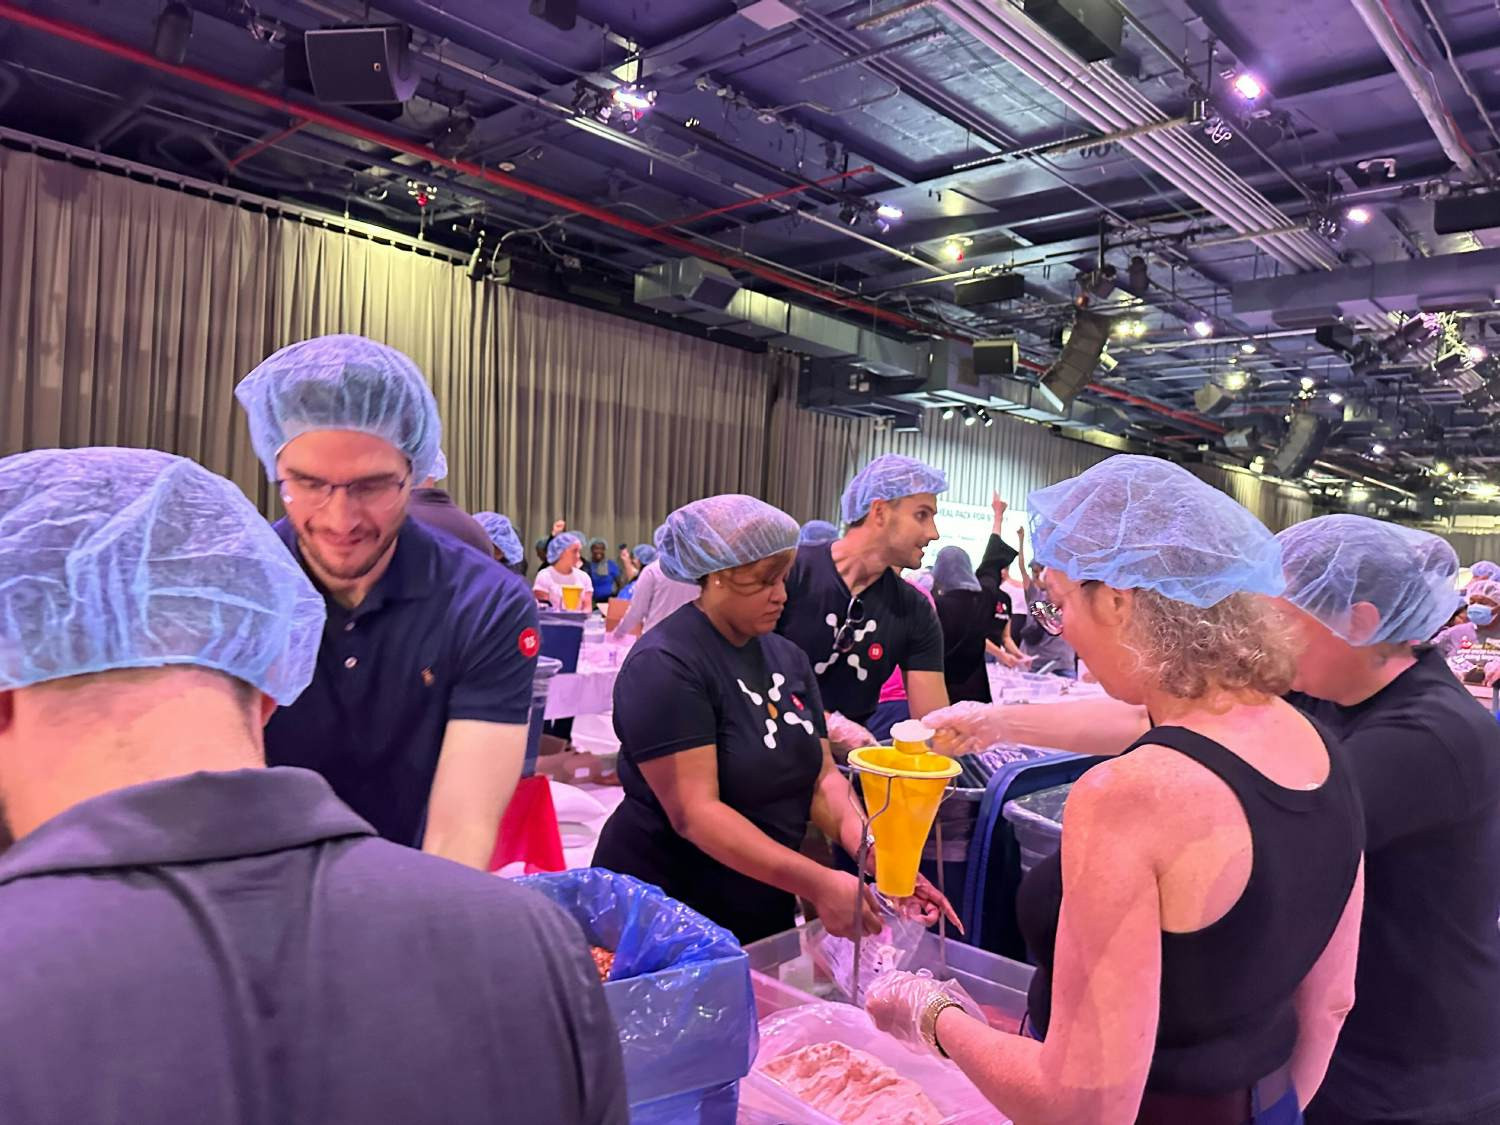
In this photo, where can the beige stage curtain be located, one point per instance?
(129, 310)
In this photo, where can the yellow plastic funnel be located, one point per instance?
(915, 784)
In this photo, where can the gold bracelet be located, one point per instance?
(928, 1023)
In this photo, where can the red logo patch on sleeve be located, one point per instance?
(877, 650)
(530, 644)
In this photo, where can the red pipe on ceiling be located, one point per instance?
(76, 33)
(306, 114)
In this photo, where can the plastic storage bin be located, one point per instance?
(1036, 820)
(679, 992)
(562, 637)
(546, 668)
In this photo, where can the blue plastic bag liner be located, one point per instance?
(679, 989)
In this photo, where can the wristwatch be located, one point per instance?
(928, 1023)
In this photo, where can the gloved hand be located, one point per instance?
(1491, 673)
(966, 728)
(845, 735)
(896, 1001)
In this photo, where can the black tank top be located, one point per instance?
(1227, 1017)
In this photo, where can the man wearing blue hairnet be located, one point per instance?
(1422, 1044)
(431, 504)
(848, 608)
(189, 937)
(418, 712)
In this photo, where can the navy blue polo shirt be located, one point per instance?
(445, 634)
(238, 947)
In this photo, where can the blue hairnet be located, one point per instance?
(953, 570)
(439, 467)
(644, 553)
(1141, 523)
(1483, 588)
(721, 532)
(889, 477)
(560, 543)
(130, 558)
(1484, 569)
(502, 535)
(1334, 562)
(341, 383)
(815, 532)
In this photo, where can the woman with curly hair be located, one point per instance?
(1196, 936)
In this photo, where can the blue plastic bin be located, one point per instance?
(562, 637)
(679, 992)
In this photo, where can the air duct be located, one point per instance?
(1450, 281)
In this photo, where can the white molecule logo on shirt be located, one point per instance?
(769, 701)
(852, 659)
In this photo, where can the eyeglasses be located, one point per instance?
(1048, 615)
(854, 617)
(374, 494)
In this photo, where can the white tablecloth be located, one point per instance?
(590, 690)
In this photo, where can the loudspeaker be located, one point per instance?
(1465, 213)
(1075, 367)
(1212, 399)
(989, 290)
(996, 357)
(1092, 28)
(1302, 445)
(561, 14)
(359, 65)
(1335, 337)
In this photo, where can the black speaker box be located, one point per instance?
(1092, 28)
(1335, 337)
(1303, 445)
(996, 357)
(1080, 356)
(359, 65)
(1465, 213)
(989, 290)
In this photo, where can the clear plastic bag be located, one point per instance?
(679, 989)
(892, 948)
(764, 1100)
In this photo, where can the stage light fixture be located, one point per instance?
(1441, 468)
(1377, 450)
(1138, 275)
(1247, 348)
(888, 213)
(1308, 382)
(1359, 216)
(1248, 86)
(1335, 398)
(636, 98)
(1235, 381)
(952, 251)
(1202, 329)
(969, 417)
(948, 413)
(1258, 465)
(1477, 354)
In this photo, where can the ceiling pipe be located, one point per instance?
(1109, 102)
(1378, 19)
(87, 37)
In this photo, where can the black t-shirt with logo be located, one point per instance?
(898, 630)
(684, 686)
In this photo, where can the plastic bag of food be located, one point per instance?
(939, 1093)
(678, 988)
(892, 948)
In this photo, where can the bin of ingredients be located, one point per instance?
(678, 987)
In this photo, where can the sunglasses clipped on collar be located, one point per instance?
(854, 617)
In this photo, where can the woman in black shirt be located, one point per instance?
(1199, 965)
(971, 617)
(723, 744)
